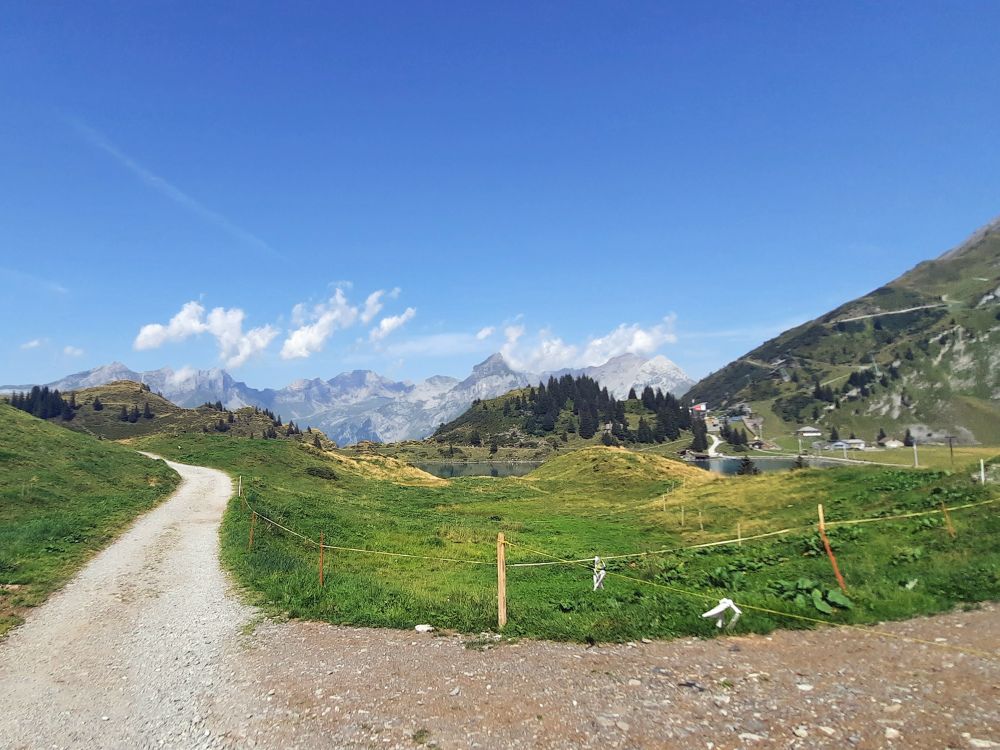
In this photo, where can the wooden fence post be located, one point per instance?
(947, 521)
(739, 533)
(253, 522)
(682, 516)
(239, 491)
(829, 551)
(321, 559)
(501, 582)
(701, 524)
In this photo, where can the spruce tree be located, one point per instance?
(699, 442)
(123, 415)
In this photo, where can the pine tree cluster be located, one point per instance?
(735, 436)
(579, 404)
(43, 403)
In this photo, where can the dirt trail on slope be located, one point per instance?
(145, 648)
(126, 654)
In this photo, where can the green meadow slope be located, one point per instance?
(920, 353)
(63, 496)
(596, 500)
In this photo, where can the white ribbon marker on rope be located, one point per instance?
(600, 570)
(718, 612)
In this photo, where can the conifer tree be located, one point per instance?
(699, 442)
(644, 433)
(747, 467)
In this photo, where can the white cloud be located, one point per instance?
(235, 346)
(389, 324)
(629, 339)
(485, 333)
(33, 344)
(373, 306)
(73, 351)
(181, 376)
(317, 325)
(189, 321)
(544, 351)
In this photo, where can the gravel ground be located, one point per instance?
(147, 647)
(313, 685)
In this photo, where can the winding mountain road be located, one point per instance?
(148, 647)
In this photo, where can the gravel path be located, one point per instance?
(147, 647)
(128, 652)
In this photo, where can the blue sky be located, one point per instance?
(293, 190)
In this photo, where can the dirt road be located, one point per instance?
(127, 653)
(148, 647)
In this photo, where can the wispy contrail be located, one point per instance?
(171, 191)
(21, 276)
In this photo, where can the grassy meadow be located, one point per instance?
(593, 501)
(63, 496)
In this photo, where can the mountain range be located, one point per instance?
(363, 405)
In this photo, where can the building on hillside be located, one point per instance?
(712, 424)
(855, 444)
(891, 443)
(808, 432)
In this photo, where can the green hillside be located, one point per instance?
(597, 500)
(100, 410)
(920, 353)
(63, 496)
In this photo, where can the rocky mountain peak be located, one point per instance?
(495, 364)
